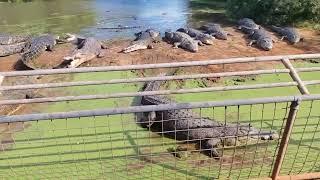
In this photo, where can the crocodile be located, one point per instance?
(260, 37)
(215, 30)
(198, 35)
(249, 23)
(144, 40)
(183, 40)
(7, 39)
(7, 50)
(87, 49)
(188, 125)
(35, 47)
(289, 33)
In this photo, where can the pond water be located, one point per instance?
(87, 16)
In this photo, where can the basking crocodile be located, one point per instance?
(87, 49)
(215, 30)
(144, 40)
(247, 25)
(187, 125)
(7, 50)
(36, 46)
(198, 35)
(183, 40)
(289, 33)
(7, 39)
(260, 37)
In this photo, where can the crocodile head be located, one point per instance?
(255, 133)
(265, 44)
(293, 35)
(153, 33)
(245, 133)
(207, 39)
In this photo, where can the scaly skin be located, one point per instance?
(183, 40)
(187, 125)
(35, 47)
(6, 39)
(260, 37)
(144, 40)
(198, 35)
(289, 33)
(88, 49)
(249, 23)
(215, 30)
(7, 50)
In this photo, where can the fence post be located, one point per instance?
(285, 138)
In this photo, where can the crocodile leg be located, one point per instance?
(209, 147)
(101, 55)
(103, 46)
(150, 46)
(176, 45)
(50, 47)
(200, 43)
(252, 42)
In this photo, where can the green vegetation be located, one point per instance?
(276, 11)
(97, 147)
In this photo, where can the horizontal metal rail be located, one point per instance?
(163, 107)
(147, 79)
(150, 93)
(161, 65)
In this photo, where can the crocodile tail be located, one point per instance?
(134, 47)
(275, 28)
(155, 85)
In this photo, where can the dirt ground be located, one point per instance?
(236, 46)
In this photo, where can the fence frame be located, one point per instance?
(295, 100)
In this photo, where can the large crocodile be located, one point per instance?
(7, 39)
(87, 49)
(6, 50)
(289, 33)
(260, 37)
(183, 40)
(198, 35)
(144, 40)
(215, 30)
(249, 23)
(187, 125)
(36, 46)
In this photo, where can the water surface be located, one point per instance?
(87, 16)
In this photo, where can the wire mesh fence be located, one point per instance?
(121, 146)
(232, 139)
